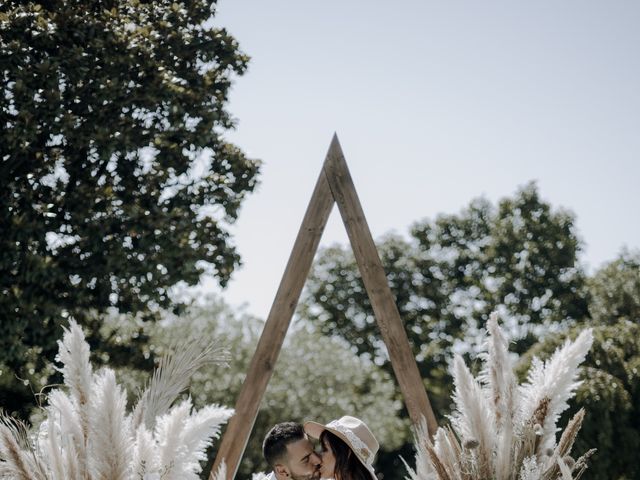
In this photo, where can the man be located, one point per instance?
(289, 452)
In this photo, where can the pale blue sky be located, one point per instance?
(435, 103)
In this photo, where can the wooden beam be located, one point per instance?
(375, 282)
(241, 424)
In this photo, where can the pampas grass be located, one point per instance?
(89, 435)
(502, 431)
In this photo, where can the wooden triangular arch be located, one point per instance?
(333, 186)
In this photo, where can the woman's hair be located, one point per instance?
(348, 466)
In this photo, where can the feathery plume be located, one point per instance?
(88, 435)
(438, 466)
(52, 450)
(569, 435)
(144, 458)
(531, 469)
(168, 433)
(172, 377)
(556, 380)
(498, 375)
(66, 425)
(581, 463)
(473, 418)
(221, 473)
(15, 459)
(507, 432)
(565, 471)
(424, 469)
(448, 454)
(199, 431)
(73, 353)
(71, 461)
(76, 369)
(110, 432)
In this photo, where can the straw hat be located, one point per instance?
(355, 433)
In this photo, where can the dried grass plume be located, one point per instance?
(502, 431)
(89, 435)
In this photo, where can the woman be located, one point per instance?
(348, 448)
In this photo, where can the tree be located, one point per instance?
(116, 182)
(519, 258)
(615, 290)
(315, 378)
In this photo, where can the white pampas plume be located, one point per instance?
(172, 377)
(441, 447)
(17, 463)
(64, 413)
(498, 427)
(71, 462)
(87, 434)
(473, 418)
(110, 452)
(498, 375)
(52, 449)
(183, 438)
(145, 458)
(555, 380)
(564, 469)
(168, 434)
(66, 424)
(424, 469)
(531, 469)
(73, 353)
(221, 473)
(199, 431)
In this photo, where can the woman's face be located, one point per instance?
(328, 460)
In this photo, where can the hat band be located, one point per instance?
(357, 445)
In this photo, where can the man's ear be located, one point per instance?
(281, 471)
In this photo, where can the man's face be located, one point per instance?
(302, 462)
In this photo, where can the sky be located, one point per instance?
(435, 103)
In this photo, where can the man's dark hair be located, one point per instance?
(274, 446)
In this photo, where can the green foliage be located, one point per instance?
(316, 378)
(115, 182)
(615, 290)
(518, 258)
(610, 395)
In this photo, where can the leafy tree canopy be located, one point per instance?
(116, 182)
(615, 290)
(519, 257)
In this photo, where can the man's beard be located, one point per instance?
(314, 476)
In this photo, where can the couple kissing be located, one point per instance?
(346, 450)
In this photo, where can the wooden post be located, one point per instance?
(375, 282)
(239, 429)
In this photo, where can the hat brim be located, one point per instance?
(315, 429)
